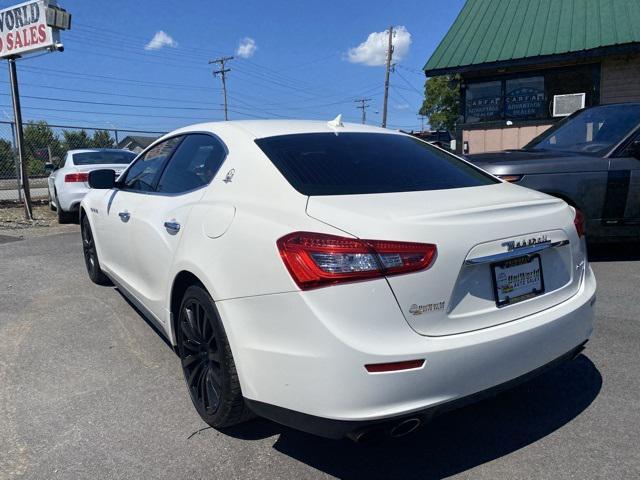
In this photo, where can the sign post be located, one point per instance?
(17, 114)
(28, 27)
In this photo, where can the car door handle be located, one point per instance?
(124, 216)
(172, 226)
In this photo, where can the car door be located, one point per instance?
(622, 203)
(157, 223)
(114, 223)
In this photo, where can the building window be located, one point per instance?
(483, 101)
(527, 96)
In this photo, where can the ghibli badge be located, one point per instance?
(415, 309)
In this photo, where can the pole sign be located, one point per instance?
(30, 27)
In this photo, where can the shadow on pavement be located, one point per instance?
(453, 442)
(614, 252)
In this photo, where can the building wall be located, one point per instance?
(496, 139)
(620, 79)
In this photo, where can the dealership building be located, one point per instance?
(525, 64)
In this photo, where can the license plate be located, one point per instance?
(517, 279)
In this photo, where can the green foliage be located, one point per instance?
(39, 140)
(442, 102)
(73, 140)
(7, 160)
(102, 139)
(42, 144)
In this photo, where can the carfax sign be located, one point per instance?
(24, 28)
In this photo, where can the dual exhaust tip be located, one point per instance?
(378, 432)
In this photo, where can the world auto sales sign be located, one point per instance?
(23, 28)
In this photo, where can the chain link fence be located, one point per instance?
(46, 143)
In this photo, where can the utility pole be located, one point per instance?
(222, 72)
(15, 96)
(386, 78)
(421, 122)
(363, 106)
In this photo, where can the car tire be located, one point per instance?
(207, 363)
(64, 217)
(91, 255)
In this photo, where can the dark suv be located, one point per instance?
(591, 160)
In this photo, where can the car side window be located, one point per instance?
(194, 164)
(143, 174)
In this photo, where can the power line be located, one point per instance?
(113, 79)
(128, 114)
(98, 92)
(401, 96)
(223, 75)
(111, 104)
(409, 83)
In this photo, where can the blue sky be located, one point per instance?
(303, 60)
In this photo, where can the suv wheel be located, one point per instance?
(207, 362)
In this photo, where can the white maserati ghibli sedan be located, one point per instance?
(341, 279)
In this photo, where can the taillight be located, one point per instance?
(76, 177)
(318, 259)
(579, 222)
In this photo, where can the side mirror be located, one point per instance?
(104, 179)
(49, 167)
(634, 149)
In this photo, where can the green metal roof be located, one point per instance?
(491, 31)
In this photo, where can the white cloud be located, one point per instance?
(373, 51)
(402, 106)
(246, 48)
(159, 40)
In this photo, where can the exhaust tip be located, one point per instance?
(405, 427)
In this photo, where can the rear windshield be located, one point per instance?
(97, 158)
(361, 163)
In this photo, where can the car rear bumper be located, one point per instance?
(71, 196)
(330, 428)
(301, 355)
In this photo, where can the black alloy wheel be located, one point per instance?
(201, 362)
(207, 363)
(91, 255)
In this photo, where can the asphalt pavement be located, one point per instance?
(88, 389)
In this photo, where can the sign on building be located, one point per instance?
(30, 27)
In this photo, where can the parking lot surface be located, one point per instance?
(88, 389)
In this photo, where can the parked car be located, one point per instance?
(591, 160)
(340, 279)
(68, 184)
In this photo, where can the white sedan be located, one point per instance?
(68, 184)
(341, 279)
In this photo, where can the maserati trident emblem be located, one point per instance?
(229, 175)
(525, 242)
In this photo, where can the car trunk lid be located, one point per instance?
(473, 229)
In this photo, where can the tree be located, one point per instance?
(39, 140)
(76, 139)
(7, 160)
(442, 102)
(102, 139)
